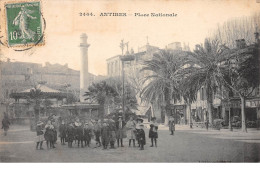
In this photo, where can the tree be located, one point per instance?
(188, 92)
(100, 93)
(242, 76)
(130, 94)
(161, 80)
(204, 73)
(47, 104)
(35, 96)
(241, 69)
(238, 28)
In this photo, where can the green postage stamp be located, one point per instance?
(24, 23)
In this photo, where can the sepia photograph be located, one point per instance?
(127, 81)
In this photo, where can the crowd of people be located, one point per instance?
(106, 133)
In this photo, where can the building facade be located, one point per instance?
(134, 76)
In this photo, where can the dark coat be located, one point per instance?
(171, 125)
(112, 132)
(62, 130)
(152, 133)
(105, 135)
(70, 133)
(141, 136)
(79, 133)
(87, 134)
(5, 123)
(50, 134)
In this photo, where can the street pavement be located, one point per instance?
(187, 145)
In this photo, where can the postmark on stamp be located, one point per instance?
(24, 24)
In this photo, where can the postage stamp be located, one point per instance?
(24, 23)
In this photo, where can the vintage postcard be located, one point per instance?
(120, 81)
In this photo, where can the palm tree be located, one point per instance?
(205, 71)
(161, 79)
(130, 94)
(100, 93)
(188, 93)
(36, 95)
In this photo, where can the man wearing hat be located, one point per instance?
(40, 137)
(62, 130)
(153, 132)
(87, 134)
(171, 125)
(112, 133)
(70, 134)
(5, 123)
(97, 132)
(120, 124)
(105, 134)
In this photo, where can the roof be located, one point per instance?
(43, 89)
(45, 92)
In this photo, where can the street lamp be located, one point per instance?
(125, 58)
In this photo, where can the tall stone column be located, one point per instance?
(84, 74)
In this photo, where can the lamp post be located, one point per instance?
(125, 58)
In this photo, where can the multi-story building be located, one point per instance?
(133, 74)
(18, 76)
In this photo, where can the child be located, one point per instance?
(49, 134)
(153, 134)
(131, 131)
(62, 130)
(139, 122)
(40, 137)
(141, 136)
(105, 135)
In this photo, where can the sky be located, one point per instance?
(194, 20)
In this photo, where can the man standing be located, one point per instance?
(70, 134)
(97, 131)
(87, 134)
(62, 130)
(171, 125)
(5, 124)
(105, 134)
(120, 124)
